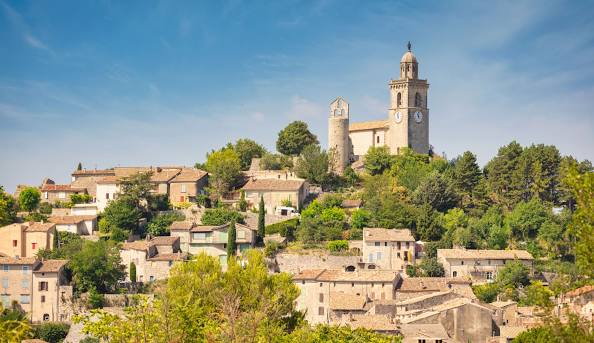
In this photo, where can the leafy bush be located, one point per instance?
(35, 217)
(51, 332)
(45, 208)
(287, 203)
(360, 218)
(90, 339)
(159, 226)
(336, 246)
(271, 248)
(220, 216)
(285, 228)
(487, 292)
(80, 198)
(95, 299)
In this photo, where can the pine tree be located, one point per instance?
(231, 236)
(79, 167)
(261, 221)
(132, 272)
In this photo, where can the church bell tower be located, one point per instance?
(408, 116)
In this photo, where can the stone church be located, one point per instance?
(407, 124)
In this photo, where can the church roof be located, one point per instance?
(369, 125)
(408, 57)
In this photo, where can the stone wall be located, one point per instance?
(293, 263)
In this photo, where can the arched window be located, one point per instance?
(45, 317)
(350, 268)
(454, 274)
(399, 99)
(418, 100)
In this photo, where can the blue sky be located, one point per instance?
(162, 82)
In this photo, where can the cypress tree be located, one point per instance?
(231, 236)
(56, 239)
(79, 167)
(261, 221)
(132, 272)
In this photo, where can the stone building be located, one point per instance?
(187, 185)
(388, 248)
(153, 258)
(26, 239)
(52, 193)
(480, 265)
(80, 225)
(37, 287)
(275, 192)
(212, 240)
(320, 290)
(407, 125)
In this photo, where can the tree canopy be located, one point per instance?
(29, 199)
(294, 138)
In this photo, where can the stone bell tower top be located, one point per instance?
(409, 67)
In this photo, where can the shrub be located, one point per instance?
(220, 216)
(90, 339)
(285, 228)
(159, 226)
(486, 293)
(95, 299)
(336, 246)
(271, 248)
(52, 332)
(287, 203)
(45, 208)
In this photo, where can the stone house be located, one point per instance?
(413, 287)
(37, 287)
(580, 301)
(187, 185)
(87, 179)
(426, 333)
(80, 225)
(316, 286)
(153, 258)
(480, 265)
(52, 193)
(275, 192)
(213, 239)
(388, 248)
(378, 323)
(26, 239)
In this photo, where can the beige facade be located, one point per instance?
(317, 286)
(187, 185)
(88, 179)
(52, 193)
(388, 248)
(153, 259)
(34, 286)
(480, 265)
(407, 125)
(80, 225)
(275, 192)
(212, 240)
(26, 239)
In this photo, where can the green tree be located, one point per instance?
(14, 325)
(431, 267)
(487, 292)
(220, 216)
(7, 208)
(133, 272)
(360, 218)
(337, 246)
(261, 221)
(275, 162)
(576, 330)
(428, 224)
(537, 295)
(500, 173)
(513, 275)
(119, 214)
(224, 169)
(243, 204)
(159, 226)
(378, 160)
(312, 165)
(29, 199)
(137, 190)
(411, 168)
(294, 138)
(80, 198)
(231, 237)
(582, 222)
(526, 219)
(339, 334)
(79, 166)
(246, 150)
(466, 173)
(436, 191)
(498, 237)
(97, 266)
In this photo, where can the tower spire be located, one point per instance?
(409, 45)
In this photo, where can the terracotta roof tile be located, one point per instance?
(70, 219)
(391, 235)
(181, 226)
(50, 266)
(426, 284)
(368, 125)
(142, 245)
(273, 185)
(580, 291)
(164, 240)
(18, 261)
(60, 188)
(308, 274)
(189, 175)
(485, 254)
(169, 257)
(40, 227)
(345, 301)
(93, 172)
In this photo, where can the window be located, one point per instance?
(439, 341)
(377, 244)
(43, 286)
(385, 244)
(45, 317)
(320, 311)
(170, 263)
(5, 267)
(151, 278)
(25, 269)
(25, 284)
(321, 297)
(352, 284)
(398, 245)
(418, 100)
(33, 246)
(15, 243)
(405, 256)
(422, 341)
(321, 284)
(454, 274)
(183, 188)
(398, 254)
(25, 299)
(489, 275)
(4, 283)
(377, 139)
(399, 99)
(379, 255)
(407, 245)
(107, 196)
(43, 298)
(462, 262)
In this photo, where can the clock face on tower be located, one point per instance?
(398, 117)
(418, 116)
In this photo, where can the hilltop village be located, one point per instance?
(377, 239)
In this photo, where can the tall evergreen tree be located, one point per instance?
(231, 236)
(56, 239)
(466, 173)
(133, 272)
(500, 173)
(261, 221)
(79, 167)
